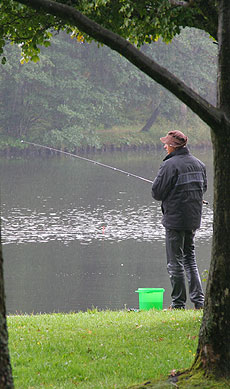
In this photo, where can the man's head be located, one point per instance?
(174, 140)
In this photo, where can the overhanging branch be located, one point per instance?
(207, 112)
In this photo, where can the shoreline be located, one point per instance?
(28, 151)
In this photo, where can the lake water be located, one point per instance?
(77, 236)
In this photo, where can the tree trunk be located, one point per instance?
(213, 353)
(6, 380)
(151, 120)
(214, 340)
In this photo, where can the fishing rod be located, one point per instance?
(94, 162)
(88, 160)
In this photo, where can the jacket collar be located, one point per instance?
(181, 151)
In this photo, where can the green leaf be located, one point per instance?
(35, 58)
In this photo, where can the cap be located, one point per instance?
(175, 139)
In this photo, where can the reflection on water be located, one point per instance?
(76, 236)
(86, 225)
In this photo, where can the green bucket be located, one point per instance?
(150, 298)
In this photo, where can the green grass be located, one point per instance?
(100, 349)
(198, 133)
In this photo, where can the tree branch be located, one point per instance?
(207, 112)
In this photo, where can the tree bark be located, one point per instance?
(6, 380)
(213, 353)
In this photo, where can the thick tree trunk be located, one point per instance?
(213, 353)
(214, 342)
(6, 380)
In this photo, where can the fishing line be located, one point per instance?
(94, 162)
(88, 160)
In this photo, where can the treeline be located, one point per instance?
(78, 89)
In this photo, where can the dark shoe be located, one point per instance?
(171, 307)
(199, 306)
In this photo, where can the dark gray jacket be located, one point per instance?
(180, 184)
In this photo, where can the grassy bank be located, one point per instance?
(100, 349)
(132, 136)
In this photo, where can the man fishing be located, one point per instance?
(180, 185)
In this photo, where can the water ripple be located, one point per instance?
(23, 225)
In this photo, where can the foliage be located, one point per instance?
(55, 98)
(139, 21)
(100, 349)
(77, 88)
(31, 29)
(26, 28)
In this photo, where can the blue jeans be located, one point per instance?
(181, 259)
